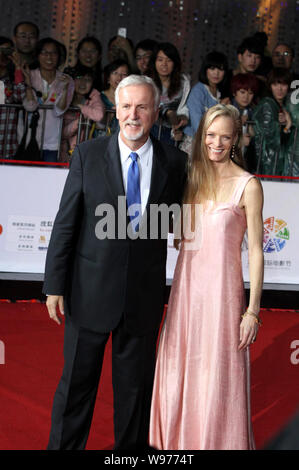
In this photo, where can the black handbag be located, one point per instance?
(31, 152)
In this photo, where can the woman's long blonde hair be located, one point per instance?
(202, 178)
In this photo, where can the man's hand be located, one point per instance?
(52, 302)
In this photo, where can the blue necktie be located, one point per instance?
(133, 192)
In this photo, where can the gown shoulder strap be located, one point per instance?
(240, 186)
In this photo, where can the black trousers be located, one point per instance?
(133, 364)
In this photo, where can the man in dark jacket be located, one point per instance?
(115, 283)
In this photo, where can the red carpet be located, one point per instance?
(33, 361)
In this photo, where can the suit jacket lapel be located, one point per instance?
(113, 170)
(159, 173)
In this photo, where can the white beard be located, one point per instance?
(133, 137)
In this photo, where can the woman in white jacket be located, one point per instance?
(47, 85)
(165, 69)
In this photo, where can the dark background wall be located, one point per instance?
(194, 26)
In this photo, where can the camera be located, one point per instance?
(7, 51)
(122, 32)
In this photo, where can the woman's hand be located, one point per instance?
(225, 100)
(16, 60)
(246, 138)
(26, 73)
(122, 43)
(177, 134)
(281, 117)
(182, 122)
(244, 118)
(248, 331)
(284, 119)
(64, 80)
(176, 121)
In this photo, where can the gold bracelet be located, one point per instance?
(254, 315)
(250, 311)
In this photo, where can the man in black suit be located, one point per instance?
(112, 284)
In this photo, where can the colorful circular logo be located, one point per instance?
(276, 234)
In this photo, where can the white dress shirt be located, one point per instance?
(145, 163)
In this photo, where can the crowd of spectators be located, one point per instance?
(61, 106)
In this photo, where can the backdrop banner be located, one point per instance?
(281, 233)
(30, 199)
(281, 236)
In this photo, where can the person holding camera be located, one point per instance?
(165, 68)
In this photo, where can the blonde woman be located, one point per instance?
(201, 396)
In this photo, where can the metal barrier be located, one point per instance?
(84, 133)
(84, 125)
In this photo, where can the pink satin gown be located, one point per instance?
(201, 395)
